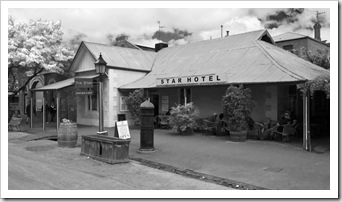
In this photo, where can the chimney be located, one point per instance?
(317, 28)
(227, 33)
(160, 46)
(221, 31)
(121, 38)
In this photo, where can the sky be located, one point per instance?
(176, 25)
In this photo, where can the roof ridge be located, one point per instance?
(283, 69)
(220, 38)
(96, 43)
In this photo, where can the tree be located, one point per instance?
(320, 57)
(34, 47)
(133, 102)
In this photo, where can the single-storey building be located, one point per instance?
(198, 72)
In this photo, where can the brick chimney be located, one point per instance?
(317, 29)
(121, 38)
(160, 46)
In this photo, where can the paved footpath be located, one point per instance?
(42, 165)
(253, 164)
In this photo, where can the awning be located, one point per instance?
(63, 84)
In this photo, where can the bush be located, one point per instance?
(237, 105)
(134, 101)
(183, 118)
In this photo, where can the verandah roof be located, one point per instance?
(63, 84)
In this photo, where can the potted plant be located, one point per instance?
(237, 105)
(133, 102)
(183, 118)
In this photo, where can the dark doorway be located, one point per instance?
(155, 102)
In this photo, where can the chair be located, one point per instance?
(285, 132)
(210, 126)
(164, 122)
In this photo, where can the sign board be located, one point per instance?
(186, 80)
(84, 91)
(122, 130)
(83, 86)
(83, 83)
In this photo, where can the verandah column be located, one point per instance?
(31, 109)
(58, 106)
(306, 122)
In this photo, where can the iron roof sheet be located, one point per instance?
(121, 57)
(288, 36)
(243, 58)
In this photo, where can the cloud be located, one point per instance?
(141, 24)
(167, 36)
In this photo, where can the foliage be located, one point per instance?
(320, 57)
(32, 48)
(183, 117)
(133, 102)
(237, 105)
(320, 83)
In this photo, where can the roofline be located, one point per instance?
(75, 55)
(128, 69)
(216, 84)
(304, 38)
(274, 62)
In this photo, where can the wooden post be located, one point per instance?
(185, 98)
(58, 107)
(306, 122)
(31, 109)
(44, 118)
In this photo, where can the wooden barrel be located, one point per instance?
(67, 135)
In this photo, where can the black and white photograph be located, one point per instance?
(194, 99)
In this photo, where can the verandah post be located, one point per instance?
(306, 122)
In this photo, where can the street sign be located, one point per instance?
(83, 86)
(84, 92)
(83, 83)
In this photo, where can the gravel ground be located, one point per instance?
(42, 165)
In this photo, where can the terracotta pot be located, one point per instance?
(238, 136)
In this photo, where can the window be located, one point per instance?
(288, 48)
(92, 99)
(185, 96)
(123, 105)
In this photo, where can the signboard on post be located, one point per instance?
(83, 83)
(83, 86)
(122, 130)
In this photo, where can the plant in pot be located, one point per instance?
(183, 118)
(133, 102)
(237, 105)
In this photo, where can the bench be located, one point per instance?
(14, 123)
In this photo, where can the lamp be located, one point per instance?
(100, 68)
(100, 65)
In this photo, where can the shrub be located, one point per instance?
(183, 118)
(134, 101)
(237, 105)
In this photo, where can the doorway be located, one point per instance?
(155, 102)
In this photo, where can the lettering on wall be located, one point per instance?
(191, 80)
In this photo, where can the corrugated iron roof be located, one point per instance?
(128, 58)
(63, 84)
(243, 58)
(288, 36)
